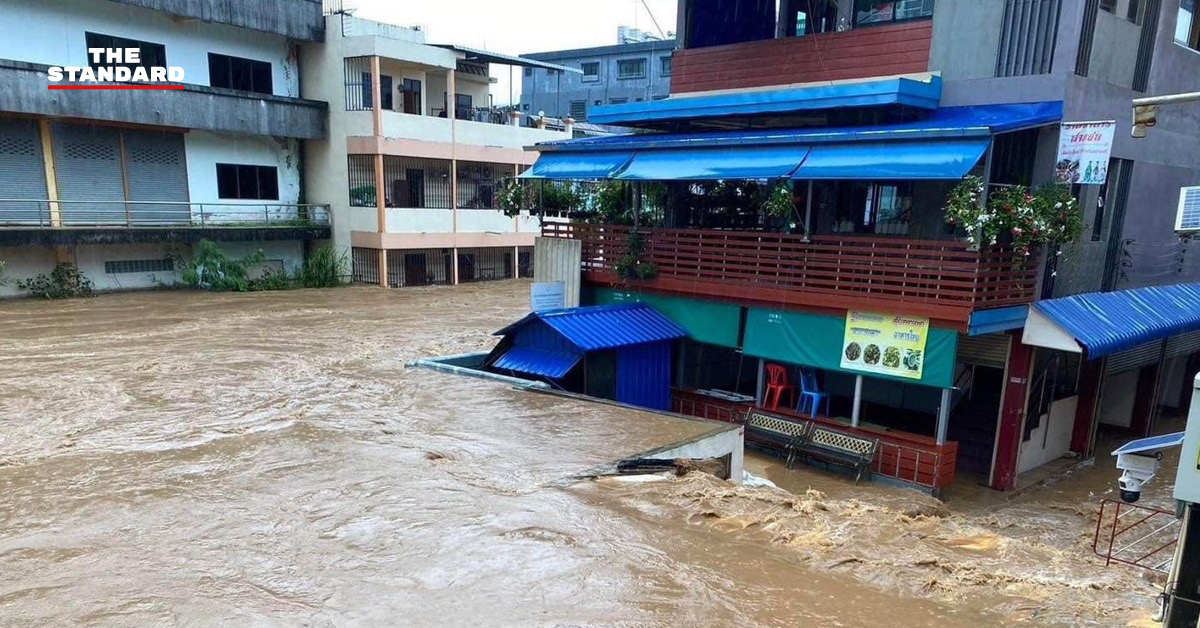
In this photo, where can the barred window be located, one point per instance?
(416, 183)
(478, 184)
(118, 267)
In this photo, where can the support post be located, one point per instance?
(808, 201)
(856, 411)
(1012, 415)
(52, 206)
(758, 386)
(383, 268)
(454, 266)
(1091, 381)
(376, 98)
(943, 419)
(1145, 400)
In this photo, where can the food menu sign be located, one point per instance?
(1083, 152)
(887, 344)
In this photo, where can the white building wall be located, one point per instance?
(1116, 405)
(1052, 438)
(205, 150)
(52, 32)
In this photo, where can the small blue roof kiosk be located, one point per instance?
(620, 352)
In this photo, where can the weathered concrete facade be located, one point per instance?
(296, 19)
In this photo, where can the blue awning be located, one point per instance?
(570, 165)
(927, 159)
(605, 326)
(909, 92)
(765, 162)
(1106, 322)
(538, 362)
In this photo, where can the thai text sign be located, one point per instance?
(548, 295)
(1083, 152)
(888, 344)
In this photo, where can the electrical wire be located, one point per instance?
(654, 21)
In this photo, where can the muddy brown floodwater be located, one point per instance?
(182, 459)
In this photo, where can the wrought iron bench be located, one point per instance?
(776, 432)
(833, 447)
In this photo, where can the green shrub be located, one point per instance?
(64, 282)
(324, 269)
(210, 268)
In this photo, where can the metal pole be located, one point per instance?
(943, 421)
(1169, 99)
(856, 413)
(758, 387)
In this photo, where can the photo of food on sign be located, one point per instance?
(886, 344)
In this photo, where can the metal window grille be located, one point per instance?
(413, 182)
(1028, 35)
(579, 109)
(485, 264)
(1145, 53)
(117, 267)
(479, 184)
(1087, 35)
(525, 262)
(358, 90)
(419, 267)
(361, 173)
(365, 264)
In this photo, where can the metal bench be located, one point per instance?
(776, 432)
(833, 447)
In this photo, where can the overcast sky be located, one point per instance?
(520, 26)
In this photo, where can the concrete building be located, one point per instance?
(119, 181)
(416, 121)
(860, 105)
(609, 75)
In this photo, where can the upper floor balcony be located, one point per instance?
(193, 107)
(295, 19)
(806, 41)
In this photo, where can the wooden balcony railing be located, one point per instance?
(941, 279)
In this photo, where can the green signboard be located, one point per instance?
(816, 340)
(713, 323)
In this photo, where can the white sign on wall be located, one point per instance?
(1083, 152)
(547, 295)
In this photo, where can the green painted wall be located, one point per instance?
(714, 323)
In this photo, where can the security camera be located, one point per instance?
(1136, 471)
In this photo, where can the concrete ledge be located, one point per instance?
(296, 19)
(87, 235)
(194, 107)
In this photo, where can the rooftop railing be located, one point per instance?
(48, 214)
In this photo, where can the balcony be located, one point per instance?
(194, 107)
(942, 279)
(294, 19)
(25, 222)
(886, 50)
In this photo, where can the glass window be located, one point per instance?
(666, 66)
(237, 73)
(1187, 29)
(1133, 12)
(1108, 5)
(528, 71)
(591, 70)
(808, 17)
(631, 68)
(239, 181)
(883, 11)
(151, 55)
(411, 94)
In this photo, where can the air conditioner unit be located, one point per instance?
(1188, 218)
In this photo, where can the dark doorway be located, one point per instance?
(415, 273)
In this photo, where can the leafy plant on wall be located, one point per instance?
(64, 282)
(633, 264)
(1026, 218)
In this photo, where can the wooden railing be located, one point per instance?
(942, 279)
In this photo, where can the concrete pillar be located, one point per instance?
(569, 126)
(514, 118)
(1011, 421)
(454, 266)
(943, 419)
(516, 267)
(541, 121)
(53, 209)
(376, 98)
(383, 268)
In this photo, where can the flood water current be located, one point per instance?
(184, 459)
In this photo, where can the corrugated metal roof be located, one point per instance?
(1106, 322)
(605, 326)
(539, 362)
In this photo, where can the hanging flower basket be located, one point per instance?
(1014, 214)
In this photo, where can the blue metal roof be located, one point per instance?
(924, 159)
(892, 91)
(946, 122)
(568, 165)
(1107, 322)
(605, 326)
(730, 162)
(538, 362)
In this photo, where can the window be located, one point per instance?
(1133, 12)
(241, 74)
(237, 181)
(151, 54)
(385, 91)
(809, 17)
(579, 109)
(121, 267)
(883, 11)
(874, 208)
(631, 68)
(464, 106)
(1187, 29)
(618, 101)
(597, 102)
(1108, 5)
(591, 71)
(411, 96)
(665, 66)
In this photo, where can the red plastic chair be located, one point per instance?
(777, 384)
